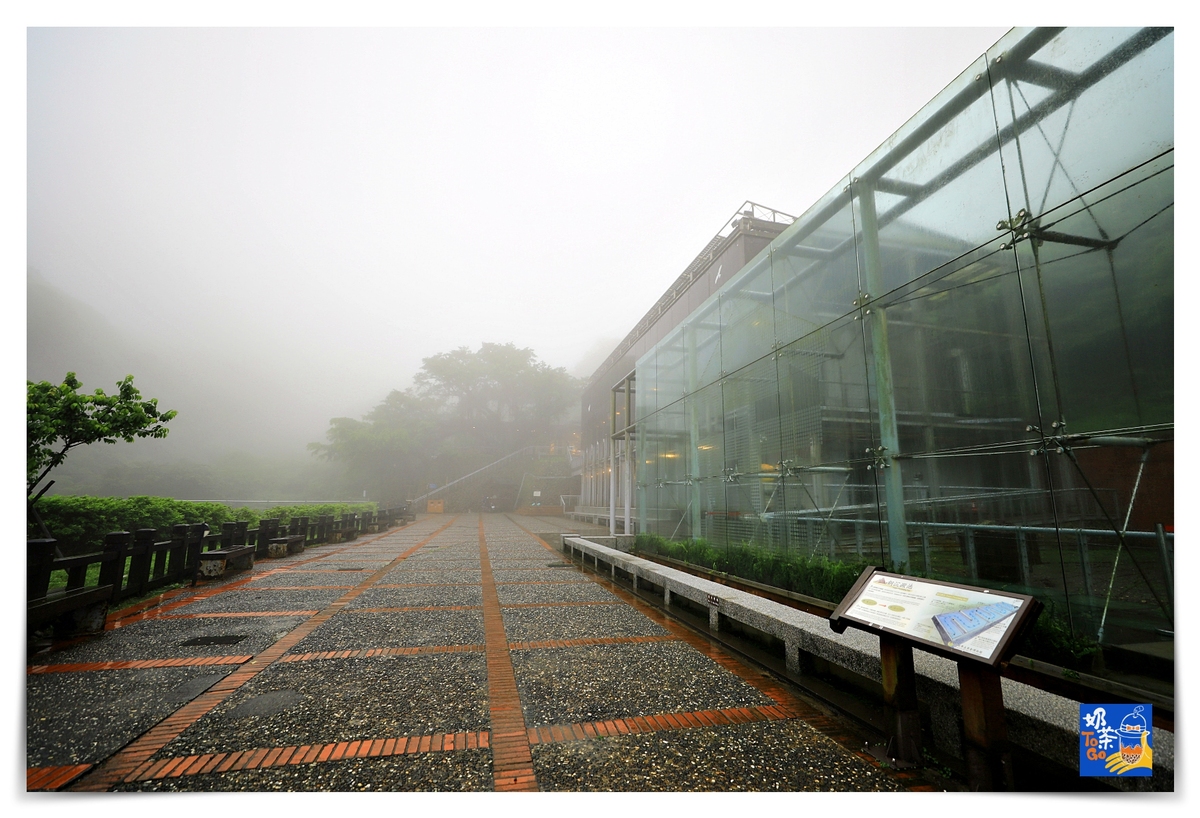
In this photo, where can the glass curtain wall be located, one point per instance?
(959, 361)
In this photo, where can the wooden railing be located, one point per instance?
(135, 564)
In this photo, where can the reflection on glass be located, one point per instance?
(1103, 267)
(814, 271)
(823, 404)
(934, 190)
(961, 371)
(702, 342)
(646, 395)
(747, 315)
(1079, 106)
(753, 486)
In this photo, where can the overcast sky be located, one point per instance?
(401, 192)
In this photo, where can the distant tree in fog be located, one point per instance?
(464, 410)
(384, 452)
(503, 394)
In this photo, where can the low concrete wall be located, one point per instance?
(1041, 722)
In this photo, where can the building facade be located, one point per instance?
(959, 361)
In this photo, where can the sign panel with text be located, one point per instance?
(947, 618)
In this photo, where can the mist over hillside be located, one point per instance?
(240, 420)
(244, 424)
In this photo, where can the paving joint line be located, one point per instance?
(512, 761)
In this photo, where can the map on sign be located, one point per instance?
(965, 620)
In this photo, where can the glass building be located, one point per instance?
(959, 361)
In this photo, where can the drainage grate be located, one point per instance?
(229, 639)
(558, 565)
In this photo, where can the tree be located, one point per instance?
(497, 399)
(60, 418)
(464, 410)
(384, 452)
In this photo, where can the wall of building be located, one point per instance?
(960, 360)
(744, 238)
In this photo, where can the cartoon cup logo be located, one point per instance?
(1130, 735)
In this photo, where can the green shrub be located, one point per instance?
(314, 510)
(815, 576)
(81, 523)
(1050, 640)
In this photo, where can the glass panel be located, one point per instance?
(702, 343)
(1102, 268)
(813, 268)
(829, 502)
(706, 456)
(934, 190)
(752, 454)
(961, 371)
(671, 369)
(1079, 106)
(648, 474)
(987, 520)
(1103, 486)
(674, 486)
(707, 422)
(645, 400)
(747, 316)
(825, 415)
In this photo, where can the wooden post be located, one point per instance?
(195, 545)
(112, 570)
(139, 566)
(989, 761)
(39, 560)
(900, 698)
(177, 563)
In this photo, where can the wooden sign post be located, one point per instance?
(977, 628)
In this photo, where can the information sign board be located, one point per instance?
(958, 621)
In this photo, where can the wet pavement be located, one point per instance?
(458, 653)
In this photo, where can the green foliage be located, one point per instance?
(810, 575)
(80, 523)
(314, 510)
(59, 418)
(1051, 640)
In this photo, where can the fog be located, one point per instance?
(270, 228)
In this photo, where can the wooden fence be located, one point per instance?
(135, 564)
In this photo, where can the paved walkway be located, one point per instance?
(456, 653)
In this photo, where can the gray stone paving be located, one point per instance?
(167, 638)
(598, 683)
(394, 629)
(80, 718)
(379, 697)
(419, 597)
(788, 757)
(569, 622)
(263, 599)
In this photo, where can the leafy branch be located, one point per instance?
(60, 417)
